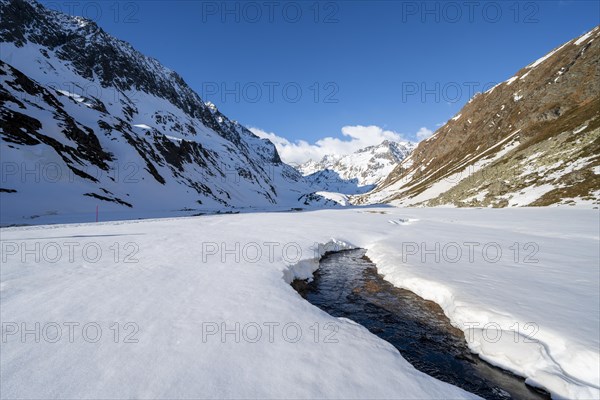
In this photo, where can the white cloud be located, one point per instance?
(355, 138)
(423, 133)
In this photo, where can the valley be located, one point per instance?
(153, 247)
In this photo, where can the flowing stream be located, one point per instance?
(347, 285)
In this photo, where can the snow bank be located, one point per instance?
(340, 198)
(305, 268)
(535, 315)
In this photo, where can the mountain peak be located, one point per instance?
(362, 168)
(93, 105)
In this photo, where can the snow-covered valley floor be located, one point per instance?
(201, 307)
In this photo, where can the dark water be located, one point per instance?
(347, 285)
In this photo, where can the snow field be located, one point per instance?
(208, 301)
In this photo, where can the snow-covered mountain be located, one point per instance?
(358, 172)
(87, 121)
(531, 140)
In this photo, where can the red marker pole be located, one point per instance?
(96, 213)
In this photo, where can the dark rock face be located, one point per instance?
(553, 100)
(22, 129)
(93, 53)
(113, 61)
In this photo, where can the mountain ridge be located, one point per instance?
(79, 99)
(357, 172)
(530, 140)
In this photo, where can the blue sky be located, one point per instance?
(353, 61)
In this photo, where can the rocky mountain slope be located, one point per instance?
(531, 140)
(86, 121)
(358, 172)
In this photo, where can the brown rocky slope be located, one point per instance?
(531, 140)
